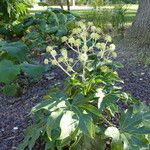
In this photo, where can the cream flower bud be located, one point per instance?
(112, 47)
(85, 48)
(71, 40)
(64, 53)
(53, 53)
(101, 46)
(69, 68)
(83, 57)
(93, 28)
(60, 59)
(83, 35)
(99, 30)
(90, 23)
(54, 62)
(71, 60)
(95, 36)
(108, 38)
(114, 54)
(76, 31)
(80, 23)
(46, 61)
(49, 49)
(64, 39)
(77, 42)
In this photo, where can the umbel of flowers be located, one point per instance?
(84, 41)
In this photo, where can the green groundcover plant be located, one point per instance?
(14, 61)
(86, 114)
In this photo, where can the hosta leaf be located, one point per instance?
(8, 71)
(62, 18)
(10, 89)
(17, 50)
(62, 30)
(32, 70)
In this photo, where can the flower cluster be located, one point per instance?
(84, 41)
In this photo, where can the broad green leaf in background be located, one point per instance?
(8, 71)
(17, 50)
(10, 89)
(32, 69)
(134, 128)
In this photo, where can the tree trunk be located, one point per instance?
(68, 5)
(140, 29)
(73, 2)
(136, 44)
(61, 4)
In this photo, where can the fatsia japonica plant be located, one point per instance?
(87, 113)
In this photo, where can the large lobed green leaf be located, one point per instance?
(17, 50)
(8, 71)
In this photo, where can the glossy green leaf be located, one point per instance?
(32, 70)
(8, 71)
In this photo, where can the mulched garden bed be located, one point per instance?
(14, 111)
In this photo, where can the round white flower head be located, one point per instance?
(100, 95)
(76, 31)
(83, 57)
(99, 30)
(114, 54)
(64, 53)
(101, 46)
(69, 68)
(53, 53)
(54, 62)
(46, 61)
(80, 24)
(84, 35)
(71, 60)
(85, 48)
(95, 36)
(93, 28)
(64, 39)
(60, 59)
(108, 38)
(71, 40)
(49, 49)
(78, 42)
(90, 23)
(112, 132)
(112, 47)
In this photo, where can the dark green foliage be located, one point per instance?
(80, 115)
(49, 26)
(12, 10)
(118, 16)
(12, 58)
(51, 21)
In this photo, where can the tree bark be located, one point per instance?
(68, 5)
(73, 2)
(140, 29)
